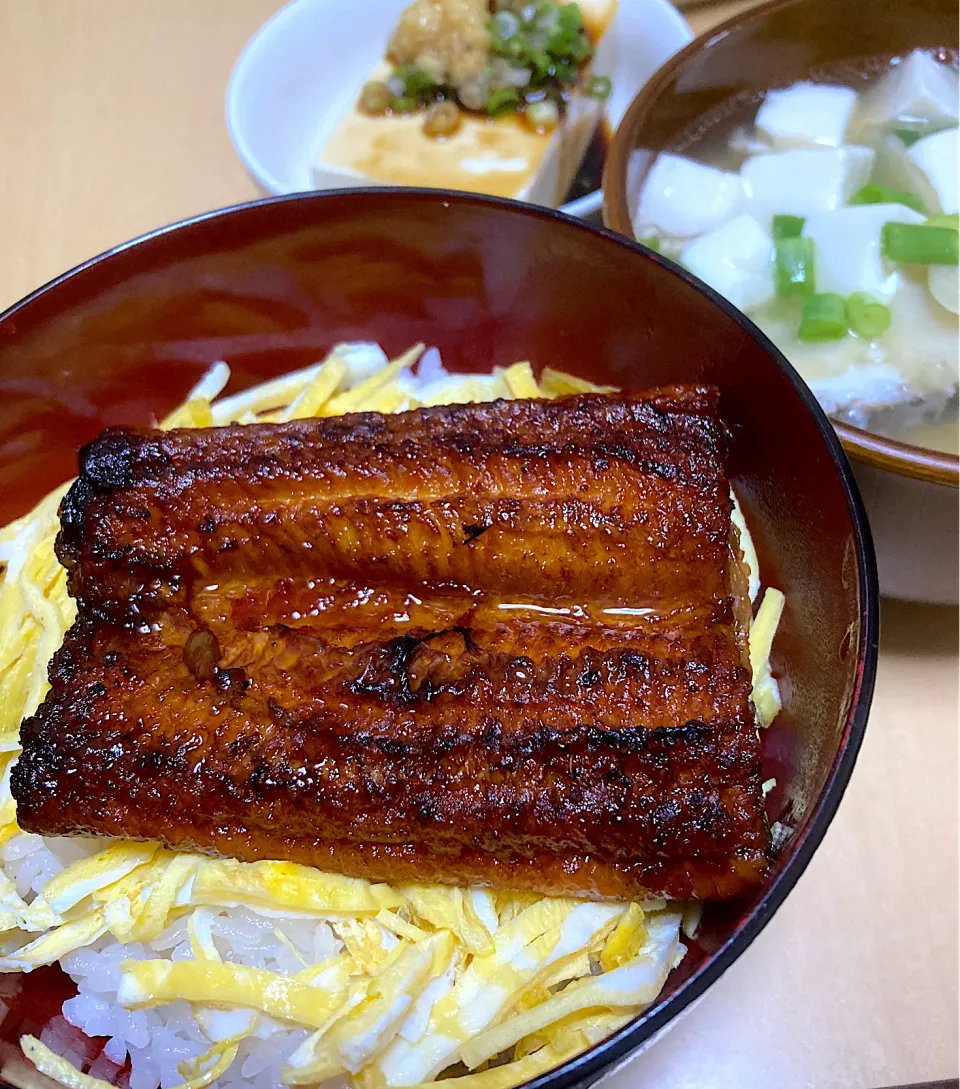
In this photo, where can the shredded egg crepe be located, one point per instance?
(203, 971)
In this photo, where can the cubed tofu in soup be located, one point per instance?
(807, 114)
(828, 214)
(688, 198)
(735, 260)
(935, 157)
(802, 181)
(915, 90)
(847, 248)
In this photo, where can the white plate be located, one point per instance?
(303, 69)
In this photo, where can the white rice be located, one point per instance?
(158, 1040)
(30, 861)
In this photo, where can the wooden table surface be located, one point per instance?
(112, 124)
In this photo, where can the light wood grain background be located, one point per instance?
(112, 124)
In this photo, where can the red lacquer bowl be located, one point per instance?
(271, 286)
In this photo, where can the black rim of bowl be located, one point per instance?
(582, 1070)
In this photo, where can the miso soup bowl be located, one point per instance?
(272, 286)
(910, 492)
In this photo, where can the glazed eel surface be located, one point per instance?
(495, 644)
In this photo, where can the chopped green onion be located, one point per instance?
(570, 18)
(880, 194)
(918, 244)
(567, 38)
(599, 87)
(952, 221)
(505, 25)
(415, 80)
(823, 317)
(404, 104)
(787, 226)
(507, 98)
(531, 13)
(793, 267)
(542, 116)
(651, 242)
(540, 60)
(866, 315)
(909, 133)
(546, 38)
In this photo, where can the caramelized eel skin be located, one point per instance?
(499, 644)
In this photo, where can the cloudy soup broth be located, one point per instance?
(827, 211)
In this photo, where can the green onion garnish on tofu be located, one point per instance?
(415, 80)
(793, 267)
(919, 244)
(880, 194)
(866, 315)
(599, 88)
(823, 317)
(503, 100)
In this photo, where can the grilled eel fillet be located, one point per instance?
(501, 643)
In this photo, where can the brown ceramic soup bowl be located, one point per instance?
(910, 492)
(271, 286)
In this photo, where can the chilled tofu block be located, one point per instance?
(917, 89)
(683, 198)
(944, 284)
(806, 114)
(501, 156)
(736, 260)
(802, 181)
(847, 245)
(498, 156)
(936, 159)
